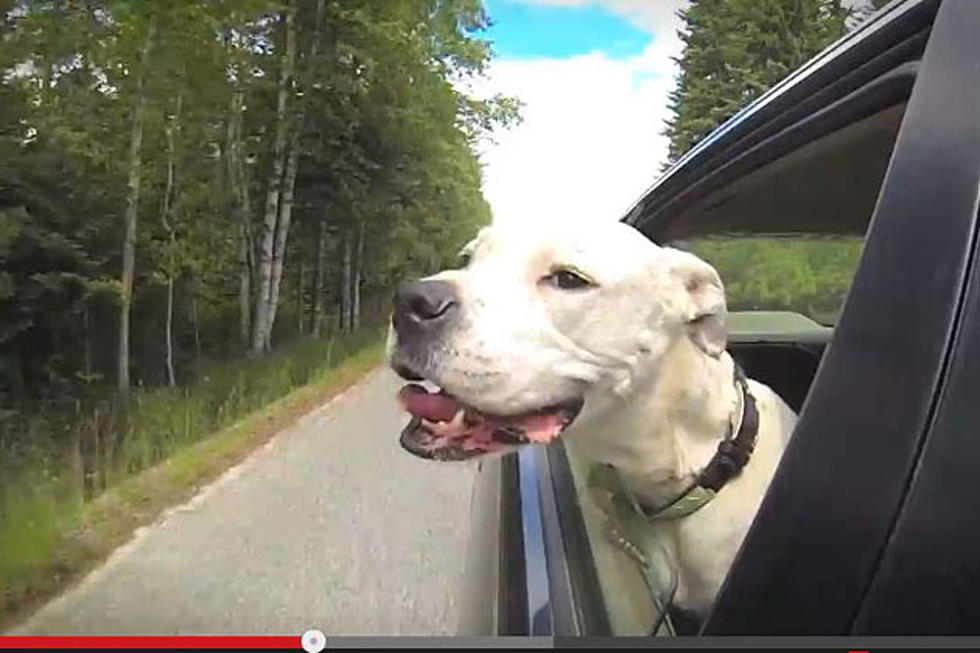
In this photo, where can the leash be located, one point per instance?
(622, 508)
(623, 530)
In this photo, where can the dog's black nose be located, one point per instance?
(423, 306)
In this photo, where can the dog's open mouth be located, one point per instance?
(443, 428)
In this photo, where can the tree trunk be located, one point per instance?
(241, 199)
(262, 324)
(197, 328)
(321, 256)
(87, 345)
(244, 284)
(282, 233)
(300, 304)
(168, 224)
(287, 192)
(171, 381)
(95, 477)
(356, 290)
(345, 284)
(287, 189)
(132, 211)
(76, 463)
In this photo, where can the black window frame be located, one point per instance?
(828, 527)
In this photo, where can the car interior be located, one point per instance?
(780, 348)
(825, 189)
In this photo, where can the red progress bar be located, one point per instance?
(153, 641)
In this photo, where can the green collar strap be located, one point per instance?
(616, 500)
(613, 497)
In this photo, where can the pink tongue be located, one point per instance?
(433, 407)
(537, 427)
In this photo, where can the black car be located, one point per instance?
(841, 209)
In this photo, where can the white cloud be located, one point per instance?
(654, 16)
(590, 142)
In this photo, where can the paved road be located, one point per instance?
(329, 526)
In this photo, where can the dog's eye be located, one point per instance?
(568, 280)
(463, 260)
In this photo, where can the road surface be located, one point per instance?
(331, 526)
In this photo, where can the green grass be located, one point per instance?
(61, 514)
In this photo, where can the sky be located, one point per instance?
(594, 76)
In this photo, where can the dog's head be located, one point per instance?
(533, 324)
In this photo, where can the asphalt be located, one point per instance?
(330, 526)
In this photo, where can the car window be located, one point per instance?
(807, 274)
(786, 240)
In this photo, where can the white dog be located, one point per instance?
(601, 334)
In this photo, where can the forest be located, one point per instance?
(203, 205)
(183, 181)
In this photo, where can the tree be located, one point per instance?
(262, 327)
(167, 219)
(134, 176)
(169, 172)
(734, 50)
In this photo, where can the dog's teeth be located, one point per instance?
(456, 424)
(437, 429)
(449, 429)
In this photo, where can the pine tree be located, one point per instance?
(734, 50)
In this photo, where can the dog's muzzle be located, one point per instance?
(424, 311)
(443, 427)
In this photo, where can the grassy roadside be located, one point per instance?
(109, 520)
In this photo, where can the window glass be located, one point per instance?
(801, 273)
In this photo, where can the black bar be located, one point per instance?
(512, 600)
(816, 543)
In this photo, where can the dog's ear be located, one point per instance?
(702, 301)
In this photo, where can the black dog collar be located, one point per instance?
(732, 455)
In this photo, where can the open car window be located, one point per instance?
(786, 240)
(771, 278)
